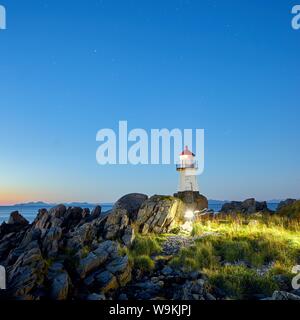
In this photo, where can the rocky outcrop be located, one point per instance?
(131, 203)
(289, 209)
(105, 269)
(60, 281)
(27, 274)
(97, 258)
(16, 218)
(116, 223)
(63, 255)
(167, 283)
(193, 200)
(285, 203)
(249, 206)
(282, 295)
(160, 214)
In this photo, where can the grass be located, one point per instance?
(142, 250)
(239, 282)
(247, 245)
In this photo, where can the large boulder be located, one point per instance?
(72, 217)
(46, 220)
(27, 274)
(249, 206)
(97, 258)
(131, 203)
(121, 268)
(285, 203)
(160, 214)
(50, 243)
(81, 236)
(116, 223)
(107, 281)
(105, 269)
(282, 295)
(96, 212)
(16, 224)
(289, 209)
(11, 236)
(17, 218)
(128, 236)
(193, 200)
(60, 286)
(59, 281)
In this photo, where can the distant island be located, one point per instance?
(88, 204)
(45, 204)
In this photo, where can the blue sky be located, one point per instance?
(70, 68)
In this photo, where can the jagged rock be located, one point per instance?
(31, 235)
(8, 245)
(193, 200)
(107, 281)
(97, 258)
(46, 220)
(42, 219)
(86, 213)
(17, 218)
(50, 241)
(131, 203)
(111, 247)
(58, 211)
(81, 236)
(128, 236)
(27, 273)
(120, 267)
(282, 295)
(20, 243)
(285, 203)
(96, 213)
(6, 229)
(192, 290)
(72, 217)
(249, 206)
(60, 286)
(116, 223)
(58, 216)
(160, 214)
(90, 263)
(104, 269)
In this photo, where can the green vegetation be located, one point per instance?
(241, 255)
(143, 248)
(144, 263)
(240, 282)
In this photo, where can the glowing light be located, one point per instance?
(189, 215)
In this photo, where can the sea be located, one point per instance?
(31, 211)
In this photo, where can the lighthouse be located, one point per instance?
(187, 168)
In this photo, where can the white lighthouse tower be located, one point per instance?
(187, 167)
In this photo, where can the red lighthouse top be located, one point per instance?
(187, 152)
